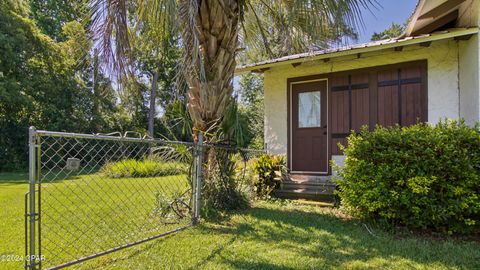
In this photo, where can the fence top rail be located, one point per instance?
(125, 138)
(45, 133)
(234, 148)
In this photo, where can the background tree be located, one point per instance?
(38, 84)
(46, 83)
(155, 57)
(104, 107)
(50, 77)
(395, 30)
(251, 93)
(51, 15)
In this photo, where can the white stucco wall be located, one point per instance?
(469, 63)
(469, 74)
(339, 160)
(443, 87)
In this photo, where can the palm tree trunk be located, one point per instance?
(216, 27)
(153, 97)
(210, 41)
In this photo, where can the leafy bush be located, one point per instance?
(143, 168)
(266, 167)
(422, 176)
(221, 183)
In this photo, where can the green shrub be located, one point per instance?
(221, 186)
(143, 168)
(266, 168)
(422, 176)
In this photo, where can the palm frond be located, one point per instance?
(287, 27)
(109, 29)
(117, 24)
(193, 58)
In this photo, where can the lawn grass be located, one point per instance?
(271, 235)
(12, 189)
(89, 213)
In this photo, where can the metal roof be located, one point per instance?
(358, 48)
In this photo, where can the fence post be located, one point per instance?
(32, 215)
(198, 168)
(194, 183)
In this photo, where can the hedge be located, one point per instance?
(422, 176)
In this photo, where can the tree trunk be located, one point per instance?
(210, 38)
(212, 63)
(96, 94)
(153, 98)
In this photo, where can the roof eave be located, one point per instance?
(413, 19)
(389, 44)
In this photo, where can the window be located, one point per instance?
(309, 109)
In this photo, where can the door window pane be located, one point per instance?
(309, 109)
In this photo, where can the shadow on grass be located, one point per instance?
(337, 242)
(52, 176)
(49, 177)
(14, 178)
(271, 236)
(242, 229)
(58, 176)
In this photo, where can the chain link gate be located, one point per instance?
(91, 195)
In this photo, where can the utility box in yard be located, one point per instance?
(73, 164)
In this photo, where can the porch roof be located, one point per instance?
(296, 59)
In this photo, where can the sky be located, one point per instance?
(397, 11)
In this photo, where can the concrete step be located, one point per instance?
(319, 188)
(312, 190)
(308, 183)
(300, 178)
(308, 189)
(304, 194)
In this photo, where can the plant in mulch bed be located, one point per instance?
(266, 168)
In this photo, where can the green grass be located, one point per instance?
(12, 190)
(89, 213)
(271, 235)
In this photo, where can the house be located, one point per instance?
(313, 100)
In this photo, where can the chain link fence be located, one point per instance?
(91, 195)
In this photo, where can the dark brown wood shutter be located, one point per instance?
(340, 112)
(383, 95)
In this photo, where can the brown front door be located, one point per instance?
(309, 137)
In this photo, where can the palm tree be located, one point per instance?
(211, 31)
